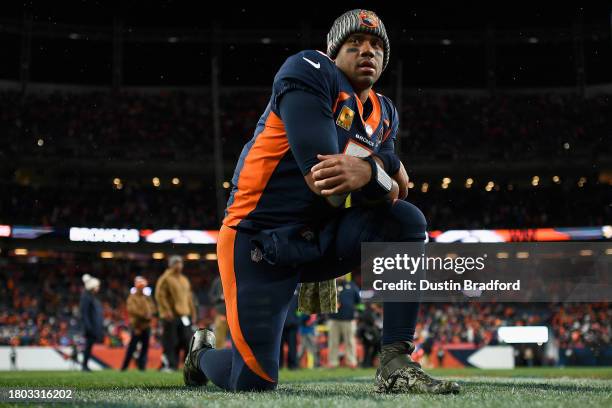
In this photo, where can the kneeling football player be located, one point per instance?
(324, 134)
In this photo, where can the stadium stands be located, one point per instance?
(450, 132)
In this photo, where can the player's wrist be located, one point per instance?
(389, 162)
(380, 183)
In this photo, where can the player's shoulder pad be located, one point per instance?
(389, 110)
(390, 117)
(309, 65)
(314, 70)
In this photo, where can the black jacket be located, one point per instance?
(91, 316)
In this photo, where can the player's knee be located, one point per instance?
(411, 221)
(249, 381)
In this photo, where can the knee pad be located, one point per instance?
(410, 223)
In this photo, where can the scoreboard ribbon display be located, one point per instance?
(209, 237)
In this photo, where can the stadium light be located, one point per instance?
(211, 256)
(556, 179)
(156, 181)
(40, 142)
(193, 256)
(523, 334)
(566, 146)
(502, 255)
(226, 184)
(107, 255)
(410, 184)
(586, 252)
(522, 255)
(117, 181)
(535, 181)
(176, 181)
(424, 187)
(445, 182)
(158, 255)
(5, 231)
(21, 251)
(581, 182)
(489, 186)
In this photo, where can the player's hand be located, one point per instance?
(340, 173)
(401, 177)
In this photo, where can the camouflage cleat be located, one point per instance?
(399, 374)
(203, 339)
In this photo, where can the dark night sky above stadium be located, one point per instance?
(257, 37)
(408, 14)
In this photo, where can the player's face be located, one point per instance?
(361, 59)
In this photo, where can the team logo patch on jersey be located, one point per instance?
(368, 19)
(345, 118)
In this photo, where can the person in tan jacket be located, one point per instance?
(176, 309)
(140, 309)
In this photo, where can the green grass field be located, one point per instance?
(541, 387)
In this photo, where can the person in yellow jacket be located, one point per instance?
(140, 309)
(176, 310)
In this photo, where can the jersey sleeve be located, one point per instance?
(387, 149)
(310, 128)
(310, 71)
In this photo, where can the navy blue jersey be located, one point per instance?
(268, 186)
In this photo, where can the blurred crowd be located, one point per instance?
(585, 325)
(100, 204)
(527, 207)
(178, 126)
(96, 203)
(39, 305)
(164, 125)
(39, 299)
(507, 127)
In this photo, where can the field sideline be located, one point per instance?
(542, 387)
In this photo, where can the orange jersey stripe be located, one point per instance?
(225, 256)
(386, 134)
(342, 96)
(374, 118)
(265, 154)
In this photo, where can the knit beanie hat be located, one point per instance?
(90, 282)
(356, 21)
